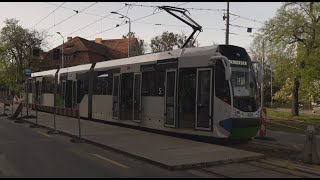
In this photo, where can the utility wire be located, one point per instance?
(158, 24)
(235, 25)
(74, 10)
(246, 18)
(72, 15)
(91, 23)
(134, 20)
(48, 14)
(184, 8)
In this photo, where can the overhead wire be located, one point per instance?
(71, 16)
(235, 25)
(48, 15)
(91, 23)
(133, 20)
(249, 19)
(184, 8)
(74, 10)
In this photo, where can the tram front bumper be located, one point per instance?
(241, 128)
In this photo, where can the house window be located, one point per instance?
(68, 57)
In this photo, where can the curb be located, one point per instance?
(175, 167)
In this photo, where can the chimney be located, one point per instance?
(69, 38)
(98, 40)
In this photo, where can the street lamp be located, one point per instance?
(123, 16)
(62, 58)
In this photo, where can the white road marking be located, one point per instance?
(44, 134)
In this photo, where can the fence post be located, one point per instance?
(54, 131)
(78, 139)
(36, 125)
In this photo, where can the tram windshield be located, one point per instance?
(245, 93)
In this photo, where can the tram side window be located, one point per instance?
(48, 85)
(222, 85)
(82, 85)
(103, 81)
(29, 87)
(153, 83)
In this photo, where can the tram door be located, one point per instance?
(203, 98)
(137, 97)
(69, 94)
(34, 92)
(126, 96)
(170, 98)
(74, 94)
(38, 87)
(63, 92)
(115, 94)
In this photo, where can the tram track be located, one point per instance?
(262, 166)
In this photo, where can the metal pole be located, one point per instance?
(54, 131)
(79, 121)
(129, 37)
(227, 25)
(62, 57)
(37, 112)
(35, 125)
(12, 103)
(27, 98)
(262, 102)
(271, 85)
(54, 118)
(78, 140)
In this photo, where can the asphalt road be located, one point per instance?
(26, 152)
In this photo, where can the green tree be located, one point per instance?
(295, 30)
(16, 48)
(167, 41)
(138, 48)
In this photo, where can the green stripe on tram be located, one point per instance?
(244, 132)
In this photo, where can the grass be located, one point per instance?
(302, 116)
(285, 119)
(276, 127)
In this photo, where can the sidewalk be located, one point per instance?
(169, 152)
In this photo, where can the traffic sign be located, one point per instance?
(27, 72)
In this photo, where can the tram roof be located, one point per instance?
(83, 67)
(51, 72)
(153, 57)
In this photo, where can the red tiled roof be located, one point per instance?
(118, 48)
(77, 44)
(110, 49)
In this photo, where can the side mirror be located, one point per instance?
(226, 64)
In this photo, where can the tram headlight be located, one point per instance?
(257, 114)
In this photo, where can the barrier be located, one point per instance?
(263, 128)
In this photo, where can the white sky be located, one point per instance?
(30, 13)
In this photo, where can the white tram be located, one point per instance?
(208, 91)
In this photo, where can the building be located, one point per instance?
(78, 51)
